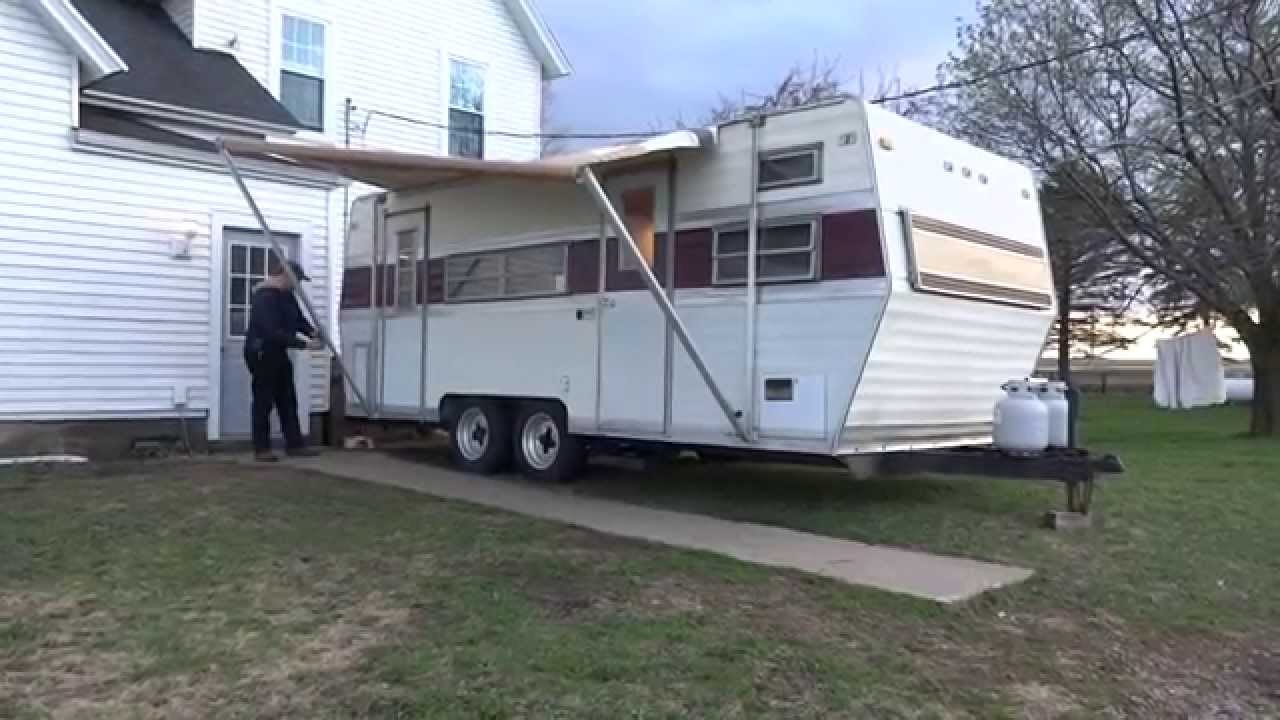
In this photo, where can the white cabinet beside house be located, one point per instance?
(119, 227)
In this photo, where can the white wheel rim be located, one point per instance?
(473, 434)
(540, 441)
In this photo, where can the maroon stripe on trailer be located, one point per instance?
(584, 266)
(419, 281)
(435, 280)
(693, 258)
(357, 289)
(851, 246)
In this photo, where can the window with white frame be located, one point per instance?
(406, 269)
(787, 250)
(515, 273)
(466, 109)
(788, 167)
(302, 64)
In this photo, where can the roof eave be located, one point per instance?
(69, 26)
(555, 64)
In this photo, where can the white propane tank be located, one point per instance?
(1054, 397)
(1021, 420)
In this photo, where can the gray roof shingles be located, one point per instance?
(165, 68)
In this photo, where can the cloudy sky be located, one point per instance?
(640, 63)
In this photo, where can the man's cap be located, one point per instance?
(298, 272)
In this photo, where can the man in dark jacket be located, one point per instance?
(275, 325)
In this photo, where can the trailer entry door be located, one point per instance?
(633, 330)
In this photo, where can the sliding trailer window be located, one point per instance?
(788, 252)
(952, 260)
(505, 274)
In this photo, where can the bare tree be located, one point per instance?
(1097, 280)
(802, 85)
(1170, 106)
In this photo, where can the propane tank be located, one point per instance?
(1021, 420)
(1054, 397)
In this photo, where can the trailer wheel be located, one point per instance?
(544, 449)
(480, 439)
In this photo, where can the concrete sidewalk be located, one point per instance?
(932, 577)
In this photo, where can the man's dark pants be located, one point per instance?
(273, 387)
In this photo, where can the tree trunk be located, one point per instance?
(1264, 355)
(1064, 332)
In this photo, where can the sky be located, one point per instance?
(640, 64)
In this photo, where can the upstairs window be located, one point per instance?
(302, 48)
(787, 251)
(466, 109)
(791, 166)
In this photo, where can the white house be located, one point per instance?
(126, 252)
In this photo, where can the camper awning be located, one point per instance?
(396, 170)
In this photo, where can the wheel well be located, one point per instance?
(451, 405)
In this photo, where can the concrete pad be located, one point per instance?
(923, 575)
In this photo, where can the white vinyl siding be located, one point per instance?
(97, 319)
(394, 58)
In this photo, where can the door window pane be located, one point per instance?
(238, 261)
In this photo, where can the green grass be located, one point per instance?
(222, 591)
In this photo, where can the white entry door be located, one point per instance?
(248, 255)
(633, 328)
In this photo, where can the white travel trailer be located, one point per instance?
(608, 297)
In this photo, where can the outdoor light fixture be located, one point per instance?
(185, 237)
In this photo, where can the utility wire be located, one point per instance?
(521, 135)
(1041, 62)
(907, 95)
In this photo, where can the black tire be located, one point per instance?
(544, 450)
(480, 436)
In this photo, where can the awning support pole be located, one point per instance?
(280, 253)
(587, 177)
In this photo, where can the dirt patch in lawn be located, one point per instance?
(73, 671)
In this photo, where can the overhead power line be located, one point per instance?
(1007, 70)
(986, 77)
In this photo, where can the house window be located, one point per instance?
(791, 166)
(638, 210)
(787, 251)
(466, 109)
(302, 47)
(406, 269)
(516, 273)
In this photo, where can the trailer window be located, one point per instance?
(515, 273)
(638, 211)
(787, 167)
(787, 252)
(948, 259)
(406, 266)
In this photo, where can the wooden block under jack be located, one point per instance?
(1064, 520)
(357, 442)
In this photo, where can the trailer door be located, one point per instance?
(633, 331)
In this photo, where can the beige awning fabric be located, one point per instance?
(397, 171)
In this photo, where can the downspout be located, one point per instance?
(752, 298)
